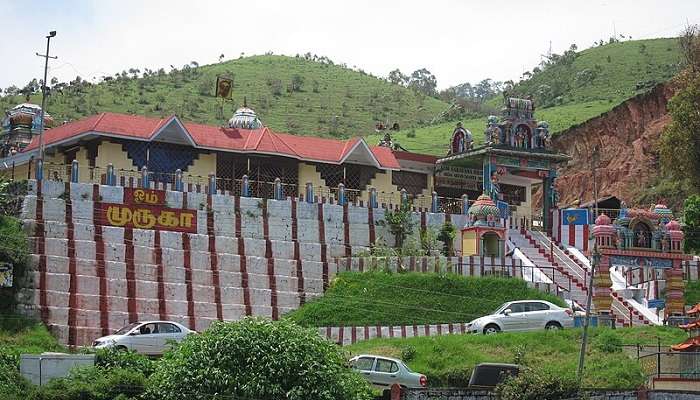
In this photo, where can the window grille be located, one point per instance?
(413, 182)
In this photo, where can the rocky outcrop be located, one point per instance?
(626, 137)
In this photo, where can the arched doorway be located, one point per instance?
(490, 245)
(641, 235)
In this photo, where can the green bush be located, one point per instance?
(115, 358)
(408, 352)
(608, 342)
(534, 385)
(12, 384)
(256, 359)
(93, 384)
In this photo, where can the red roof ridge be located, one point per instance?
(281, 140)
(102, 115)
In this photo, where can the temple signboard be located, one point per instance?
(146, 209)
(458, 177)
(149, 217)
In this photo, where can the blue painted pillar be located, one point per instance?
(434, 203)
(373, 198)
(245, 186)
(145, 183)
(341, 194)
(278, 193)
(110, 178)
(179, 187)
(39, 173)
(74, 171)
(465, 204)
(212, 183)
(309, 192)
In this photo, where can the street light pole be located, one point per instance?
(595, 256)
(44, 89)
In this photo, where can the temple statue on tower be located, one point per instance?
(514, 158)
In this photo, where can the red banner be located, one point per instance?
(144, 216)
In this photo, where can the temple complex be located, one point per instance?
(514, 159)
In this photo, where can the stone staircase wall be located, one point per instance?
(249, 256)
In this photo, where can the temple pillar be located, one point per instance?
(547, 204)
(675, 287)
(602, 300)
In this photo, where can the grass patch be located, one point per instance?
(448, 360)
(371, 298)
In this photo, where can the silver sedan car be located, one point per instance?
(523, 315)
(383, 372)
(147, 337)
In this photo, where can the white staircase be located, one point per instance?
(573, 288)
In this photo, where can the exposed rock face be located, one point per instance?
(626, 137)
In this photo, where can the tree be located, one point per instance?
(691, 221)
(400, 223)
(221, 57)
(297, 82)
(680, 143)
(256, 358)
(423, 81)
(689, 41)
(398, 78)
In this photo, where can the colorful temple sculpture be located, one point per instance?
(20, 125)
(484, 235)
(640, 238)
(514, 159)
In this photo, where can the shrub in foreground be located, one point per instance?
(256, 359)
(531, 384)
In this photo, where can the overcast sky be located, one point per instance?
(459, 41)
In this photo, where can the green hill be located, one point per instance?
(374, 298)
(327, 100)
(572, 90)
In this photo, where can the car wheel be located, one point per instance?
(491, 329)
(553, 326)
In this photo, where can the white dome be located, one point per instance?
(245, 118)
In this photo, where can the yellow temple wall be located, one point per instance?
(386, 191)
(202, 165)
(109, 152)
(469, 245)
(308, 173)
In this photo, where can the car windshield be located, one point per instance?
(501, 308)
(126, 329)
(406, 366)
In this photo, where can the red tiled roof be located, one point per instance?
(424, 158)
(694, 310)
(242, 140)
(689, 345)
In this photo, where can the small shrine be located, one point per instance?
(514, 158)
(484, 235)
(20, 124)
(640, 238)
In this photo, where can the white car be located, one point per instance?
(383, 372)
(523, 315)
(148, 337)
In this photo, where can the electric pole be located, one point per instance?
(44, 89)
(595, 257)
